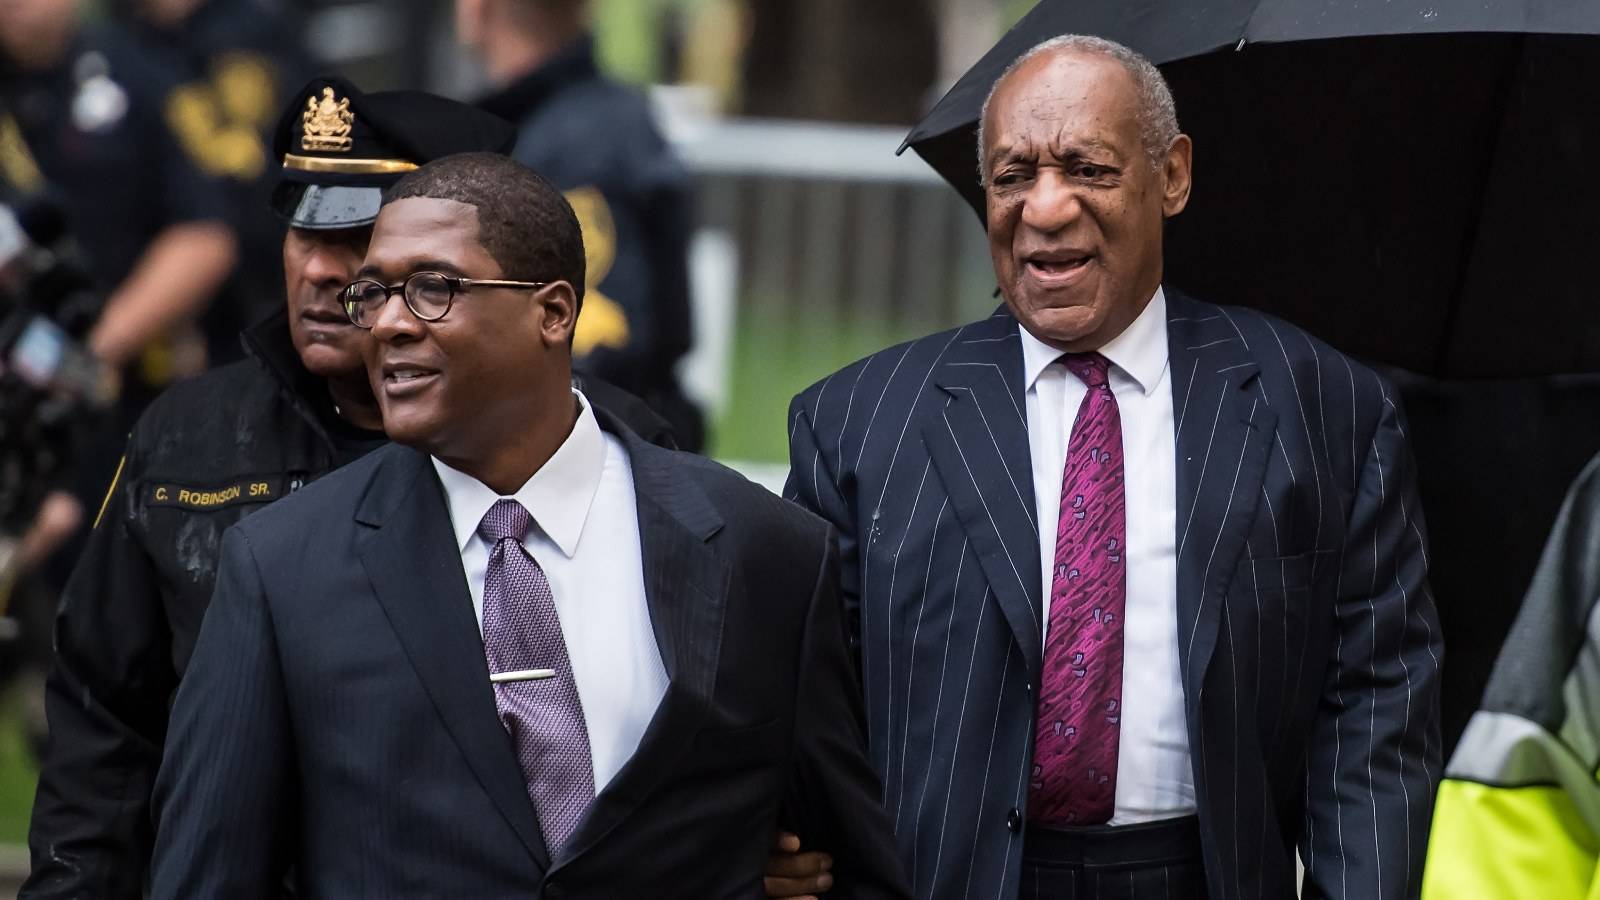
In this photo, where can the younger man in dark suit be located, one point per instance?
(520, 652)
(208, 452)
(299, 407)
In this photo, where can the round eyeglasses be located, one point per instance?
(427, 294)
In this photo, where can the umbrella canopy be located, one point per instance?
(1414, 181)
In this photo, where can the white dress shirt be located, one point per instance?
(586, 538)
(1154, 777)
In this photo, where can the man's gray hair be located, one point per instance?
(1158, 114)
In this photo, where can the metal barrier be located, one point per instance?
(830, 247)
(13, 869)
(826, 217)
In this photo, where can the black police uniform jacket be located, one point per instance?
(207, 453)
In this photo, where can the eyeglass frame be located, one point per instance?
(456, 284)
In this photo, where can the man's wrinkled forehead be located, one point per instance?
(1053, 141)
(1062, 101)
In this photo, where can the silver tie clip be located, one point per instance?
(522, 675)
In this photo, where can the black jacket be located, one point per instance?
(339, 717)
(208, 452)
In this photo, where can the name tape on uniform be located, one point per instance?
(250, 490)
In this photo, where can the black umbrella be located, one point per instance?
(1412, 180)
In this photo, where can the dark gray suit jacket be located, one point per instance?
(1308, 641)
(337, 717)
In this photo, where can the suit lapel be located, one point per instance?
(686, 588)
(980, 447)
(1224, 431)
(415, 569)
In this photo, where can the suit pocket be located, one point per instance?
(762, 742)
(1289, 573)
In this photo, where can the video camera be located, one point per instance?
(52, 390)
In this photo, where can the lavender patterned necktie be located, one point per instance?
(1080, 701)
(521, 631)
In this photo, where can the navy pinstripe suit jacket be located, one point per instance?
(1309, 645)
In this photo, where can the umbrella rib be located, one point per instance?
(1249, 25)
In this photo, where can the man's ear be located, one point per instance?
(558, 303)
(1178, 171)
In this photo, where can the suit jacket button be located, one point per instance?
(1014, 820)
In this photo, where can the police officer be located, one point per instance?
(242, 59)
(85, 121)
(88, 106)
(594, 139)
(210, 451)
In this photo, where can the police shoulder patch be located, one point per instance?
(603, 323)
(216, 145)
(248, 490)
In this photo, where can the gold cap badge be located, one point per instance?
(327, 123)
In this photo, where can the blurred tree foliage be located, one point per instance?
(850, 60)
(629, 36)
(846, 60)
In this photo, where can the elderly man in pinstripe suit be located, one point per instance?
(1138, 583)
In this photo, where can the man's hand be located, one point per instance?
(56, 521)
(793, 875)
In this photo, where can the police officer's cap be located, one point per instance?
(340, 148)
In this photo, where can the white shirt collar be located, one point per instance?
(1140, 351)
(558, 496)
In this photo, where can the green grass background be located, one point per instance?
(774, 359)
(17, 773)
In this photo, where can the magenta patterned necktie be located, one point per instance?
(522, 631)
(1080, 701)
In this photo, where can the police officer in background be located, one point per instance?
(89, 107)
(242, 59)
(212, 450)
(595, 140)
(83, 118)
